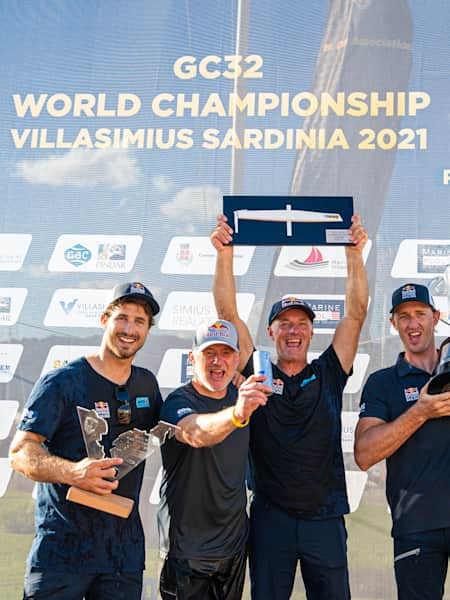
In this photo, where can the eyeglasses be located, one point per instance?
(124, 410)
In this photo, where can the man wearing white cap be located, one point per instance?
(202, 517)
(409, 427)
(79, 552)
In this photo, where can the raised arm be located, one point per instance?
(200, 430)
(224, 287)
(28, 456)
(346, 337)
(376, 440)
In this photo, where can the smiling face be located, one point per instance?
(214, 368)
(291, 332)
(126, 328)
(415, 323)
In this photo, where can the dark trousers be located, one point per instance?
(186, 579)
(420, 564)
(76, 586)
(279, 540)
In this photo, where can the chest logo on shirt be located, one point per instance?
(411, 394)
(142, 402)
(278, 386)
(308, 380)
(102, 409)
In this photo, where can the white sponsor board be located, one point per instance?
(71, 307)
(59, 356)
(186, 310)
(13, 249)
(11, 303)
(196, 256)
(354, 383)
(421, 259)
(175, 368)
(95, 253)
(9, 359)
(349, 420)
(5, 475)
(356, 482)
(314, 261)
(8, 412)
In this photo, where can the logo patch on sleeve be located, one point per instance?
(411, 394)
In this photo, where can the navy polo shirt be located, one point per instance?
(203, 495)
(295, 441)
(418, 473)
(71, 537)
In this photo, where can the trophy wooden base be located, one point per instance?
(113, 503)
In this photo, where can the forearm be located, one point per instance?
(224, 287)
(357, 287)
(33, 461)
(376, 443)
(202, 430)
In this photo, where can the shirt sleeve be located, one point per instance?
(44, 409)
(176, 406)
(373, 403)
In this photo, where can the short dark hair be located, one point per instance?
(130, 300)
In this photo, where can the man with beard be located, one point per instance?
(402, 423)
(79, 552)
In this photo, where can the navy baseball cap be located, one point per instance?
(412, 292)
(286, 304)
(134, 289)
(217, 332)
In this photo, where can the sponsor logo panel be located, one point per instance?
(175, 368)
(186, 310)
(356, 482)
(8, 412)
(95, 253)
(76, 307)
(421, 259)
(58, 356)
(9, 359)
(13, 249)
(349, 419)
(5, 475)
(196, 256)
(314, 261)
(11, 303)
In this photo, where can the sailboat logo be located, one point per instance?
(314, 259)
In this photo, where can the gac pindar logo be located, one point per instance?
(77, 255)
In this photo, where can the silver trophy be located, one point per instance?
(440, 286)
(132, 446)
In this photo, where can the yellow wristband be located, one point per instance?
(237, 423)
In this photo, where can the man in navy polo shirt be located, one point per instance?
(402, 423)
(298, 476)
(79, 552)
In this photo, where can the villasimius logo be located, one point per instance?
(68, 306)
(77, 255)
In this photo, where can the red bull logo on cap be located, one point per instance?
(218, 328)
(408, 291)
(290, 300)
